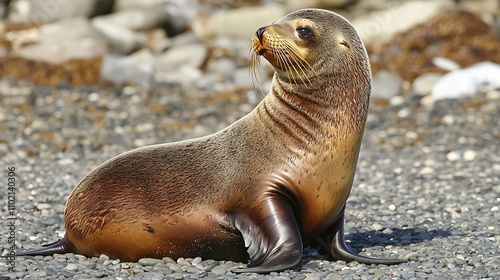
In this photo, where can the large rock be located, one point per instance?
(193, 55)
(137, 68)
(121, 39)
(466, 82)
(176, 17)
(240, 22)
(380, 26)
(65, 40)
(293, 5)
(133, 4)
(36, 11)
(481, 6)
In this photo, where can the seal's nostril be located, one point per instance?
(259, 33)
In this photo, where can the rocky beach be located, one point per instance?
(83, 81)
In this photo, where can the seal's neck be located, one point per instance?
(337, 101)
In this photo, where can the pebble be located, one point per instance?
(469, 155)
(445, 63)
(72, 267)
(453, 156)
(149, 261)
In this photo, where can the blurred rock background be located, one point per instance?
(205, 43)
(84, 80)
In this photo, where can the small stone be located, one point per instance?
(376, 226)
(149, 261)
(445, 63)
(392, 207)
(453, 156)
(397, 100)
(469, 155)
(43, 206)
(426, 170)
(404, 113)
(72, 267)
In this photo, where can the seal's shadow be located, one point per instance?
(357, 241)
(397, 237)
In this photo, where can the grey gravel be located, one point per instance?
(427, 186)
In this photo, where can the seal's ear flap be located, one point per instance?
(271, 235)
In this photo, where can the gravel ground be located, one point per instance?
(427, 186)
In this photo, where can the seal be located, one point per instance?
(257, 191)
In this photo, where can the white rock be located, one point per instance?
(423, 84)
(184, 75)
(222, 66)
(121, 39)
(453, 156)
(445, 63)
(239, 22)
(72, 267)
(177, 15)
(382, 25)
(426, 170)
(293, 5)
(137, 19)
(192, 55)
(137, 68)
(481, 6)
(64, 40)
(469, 155)
(386, 84)
(37, 11)
(465, 82)
(131, 4)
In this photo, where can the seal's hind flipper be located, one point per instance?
(59, 247)
(271, 235)
(339, 250)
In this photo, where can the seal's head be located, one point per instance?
(307, 45)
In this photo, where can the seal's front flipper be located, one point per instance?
(271, 234)
(339, 250)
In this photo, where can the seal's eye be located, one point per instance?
(304, 32)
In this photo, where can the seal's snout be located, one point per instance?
(259, 33)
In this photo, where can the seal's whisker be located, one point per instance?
(303, 64)
(285, 59)
(301, 60)
(255, 68)
(296, 61)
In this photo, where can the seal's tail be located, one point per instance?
(62, 246)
